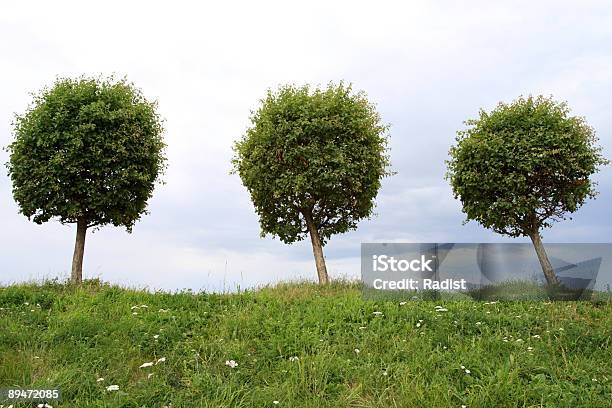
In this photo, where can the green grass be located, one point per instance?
(69, 337)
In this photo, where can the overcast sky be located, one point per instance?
(428, 66)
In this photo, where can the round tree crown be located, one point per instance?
(524, 165)
(87, 150)
(315, 153)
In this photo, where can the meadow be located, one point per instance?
(300, 345)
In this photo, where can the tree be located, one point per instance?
(523, 166)
(312, 162)
(86, 151)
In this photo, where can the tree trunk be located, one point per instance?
(547, 268)
(317, 248)
(79, 249)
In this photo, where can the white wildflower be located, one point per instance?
(293, 358)
(357, 351)
(231, 363)
(156, 336)
(275, 402)
(112, 388)
(160, 360)
(145, 365)
(402, 303)
(377, 313)
(100, 379)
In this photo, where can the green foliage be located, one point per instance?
(409, 356)
(322, 151)
(86, 149)
(524, 165)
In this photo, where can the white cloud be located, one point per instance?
(428, 66)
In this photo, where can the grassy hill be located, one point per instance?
(300, 345)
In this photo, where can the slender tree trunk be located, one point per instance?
(549, 272)
(79, 249)
(317, 248)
